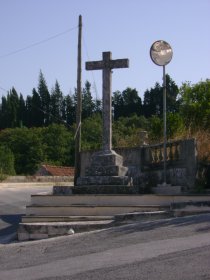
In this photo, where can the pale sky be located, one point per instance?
(127, 28)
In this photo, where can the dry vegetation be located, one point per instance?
(203, 145)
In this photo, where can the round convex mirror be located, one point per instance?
(161, 53)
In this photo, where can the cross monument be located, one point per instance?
(106, 65)
(105, 172)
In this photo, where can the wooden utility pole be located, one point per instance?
(79, 104)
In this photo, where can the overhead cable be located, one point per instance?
(38, 43)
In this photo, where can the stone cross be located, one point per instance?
(107, 64)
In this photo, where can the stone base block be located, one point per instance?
(62, 190)
(167, 189)
(103, 180)
(104, 158)
(104, 189)
(112, 170)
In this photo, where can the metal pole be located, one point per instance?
(79, 104)
(164, 123)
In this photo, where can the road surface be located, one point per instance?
(13, 199)
(169, 249)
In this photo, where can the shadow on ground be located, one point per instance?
(176, 222)
(10, 226)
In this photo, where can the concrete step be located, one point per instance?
(88, 210)
(114, 199)
(36, 231)
(40, 219)
(89, 199)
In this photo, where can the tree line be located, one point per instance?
(44, 107)
(41, 127)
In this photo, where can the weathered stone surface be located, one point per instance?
(104, 189)
(167, 189)
(36, 231)
(106, 167)
(144, 170)
(106, 65)
(62, 190)
(103, 180)
(112, 170)
(104, 158)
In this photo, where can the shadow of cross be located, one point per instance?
(107, 64)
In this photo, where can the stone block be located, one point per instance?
(167, 189)
(112, 170)
(62, 190)
(103, 180)
(104, 189)
(38, 236)
(106, 159)
(23, 236)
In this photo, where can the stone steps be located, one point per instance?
(39, 219)
(102, 199)
(43, 230)
(41, 227)
(89, 210)
(51, 215)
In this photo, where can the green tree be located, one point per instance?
(3, 113)
(6, 161)
(153, 98)
(175, 125)
(127, 103)
(36, 112)
(68, 110)
(117, 104)
(98, 106)
(195, 104)
(12, 108)
(88, 106)
(92, 132)
(156, 128)
(45, 100)
(126, 131)
(58, 142)
(21, 114)
(132, 102)
(56, 102)
(27, 147)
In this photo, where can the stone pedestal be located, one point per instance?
(105, 174)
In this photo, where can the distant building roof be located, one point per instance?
(51, 170)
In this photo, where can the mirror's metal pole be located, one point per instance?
(79, 104)
(164, 123)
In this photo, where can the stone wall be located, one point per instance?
(145, 163)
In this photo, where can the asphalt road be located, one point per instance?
(13, 199)
(177, 248)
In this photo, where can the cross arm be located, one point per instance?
(94, 65)
(110, 64)
(119, 63)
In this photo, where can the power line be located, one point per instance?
(3, 89)
(38, 43)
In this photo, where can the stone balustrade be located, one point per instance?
(181, 162)
(156, 152)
